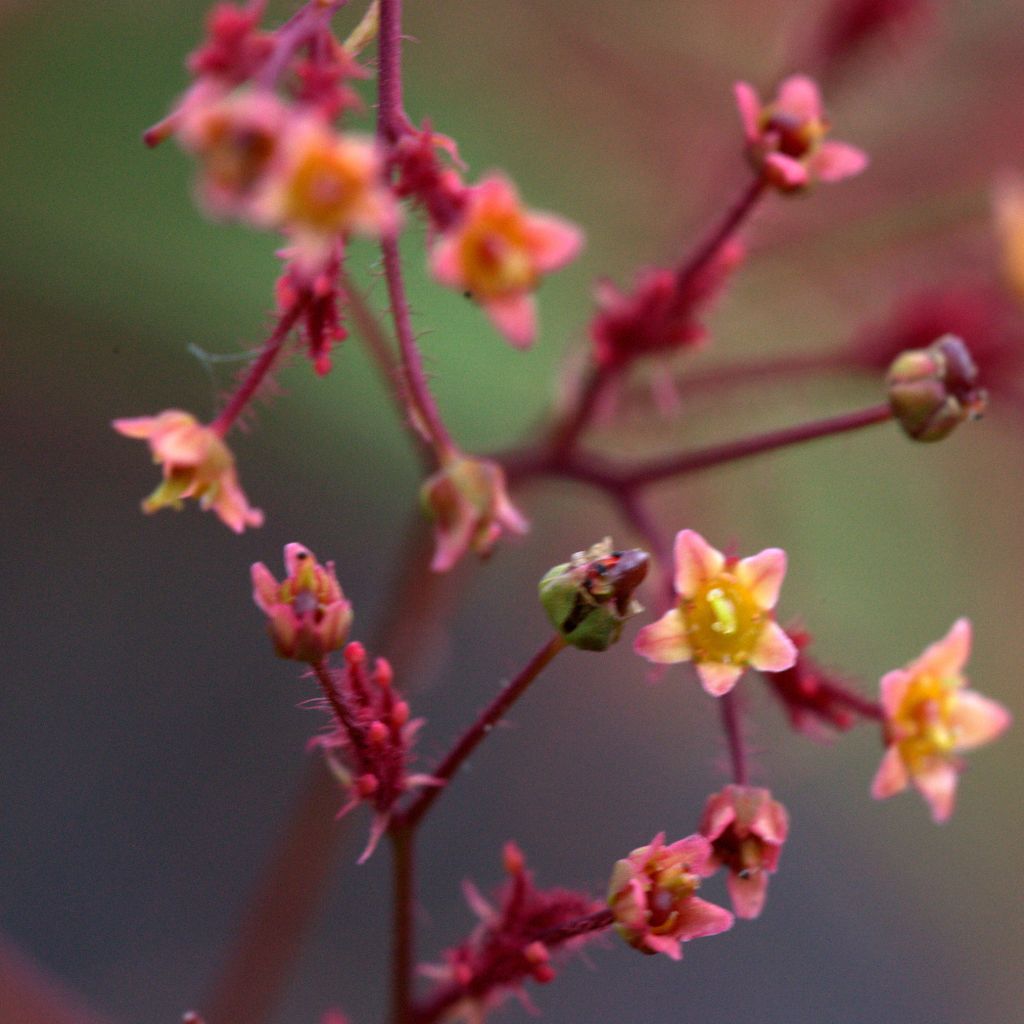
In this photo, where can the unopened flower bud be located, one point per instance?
(932, 390)
(589, 597)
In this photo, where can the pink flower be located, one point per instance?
(196, 464)
(651, 895)
(723, 621)
(746, 829)
(930, 716)
(470, 506)
(324, 187)
(308, 616)
(497, 251)
(786, 138)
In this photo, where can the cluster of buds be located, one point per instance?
(519, 930)
(590, 597)
(933, 390)
(786, 139)
(723, 620)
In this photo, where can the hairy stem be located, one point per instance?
(729, 703)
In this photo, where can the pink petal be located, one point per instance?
(750, 109)
(891, 777)
(762, 574)
(137, 426)
(747, 894)
(937, 784)
(699, 918)
(553, 241)
(515, 316)
(774, 652)
(836, 161)
(719, 814)
(695, 852)
(946, 657)
(696, 562)
(718, 679)
(664, 944)
(800, 97)
(444, 262)
(264, 587)
(784, 170)
(664, 642)
(893, 688)
(977, 719)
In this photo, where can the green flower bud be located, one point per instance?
(589, 597)
(933, 390)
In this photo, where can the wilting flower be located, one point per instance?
(652, 896)
(746, 829)
(308, 616)
(235, 138)
(723, 621)
(470, 506)
(497, 252)
(326, 186)
(196, 464)
(786, 138)
(930, 717)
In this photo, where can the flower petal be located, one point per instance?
(946, 657)
(696, 562)
(554, 241)
(699, 918)
(718, 679)
(515, 316)
(785, 171)
(444, 261)
(747, 894)
(977, 719)
(774, 651)
(891, 777)
(836, 161)
(800, 97)
(750, 109)
(762, 574)
(893, 688)
(664, 642)
(664, 944)
(937, 784)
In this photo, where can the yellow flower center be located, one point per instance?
(923, 726)
(324, 189)
(495, 256)
(723, 621)
(797, 137)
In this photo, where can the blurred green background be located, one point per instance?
(151, 743)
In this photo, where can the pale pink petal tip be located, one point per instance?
(775, 651)
(664, 642)
(891, 777)
(556, 241)
(800, 97)
(937, 784)
(718, 679)
(696, 561)
(444, 262)
(838, 160)
(978, 720)
(749, 107)
(515, 317)
(747, 894)
(785, 170)
(762, 574)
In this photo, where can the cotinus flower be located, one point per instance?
(930, 717)
(497, 251)
(746, 829)
(470, 506)
(307, 614)
(723, 620)
(196, 464)
(786, 139)
(326, 186)
(651, 895)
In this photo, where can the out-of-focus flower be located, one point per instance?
(850, 26)
(234, 47)
(723, 621)
(308, 616)
(746, 829)
(235, 138)
(1008, 207)
(590, 597)
(325, 186)
(196, 464)
(469, 503)
(497, 251)
(930, 717)
(786, 139)
(651, 894)
(933, 390)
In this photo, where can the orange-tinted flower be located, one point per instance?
(498, 251)
(307, 613)
(746, 829)
(786, 139)
(723, 621)
(326, 186)
(196, 464)
(930, 717)
(652, 895)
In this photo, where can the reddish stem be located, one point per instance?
(299, 29)
(733, 725)
(567, 433)
(258, 371)
(853, 700)
(486, 720)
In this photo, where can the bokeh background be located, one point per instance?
(151, 745)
